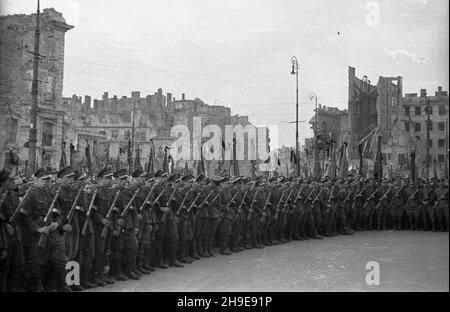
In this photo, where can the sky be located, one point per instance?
(238, 53)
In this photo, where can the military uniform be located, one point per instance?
(12, 262)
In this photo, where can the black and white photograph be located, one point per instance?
(228, 150)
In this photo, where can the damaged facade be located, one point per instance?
(105, 124)
(16, 43)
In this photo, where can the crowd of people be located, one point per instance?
(119, 226)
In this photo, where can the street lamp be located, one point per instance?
(294, 71)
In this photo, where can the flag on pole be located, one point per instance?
(235, 162)
(165, 161)
(413, 173)
(150, 163)
(71, 152)
(107, 156)
(378, 167)
(88, 159)
(343, 166)
(63, 162)
(361, 163)
(186, 169)
(137, 161)
(435, 174)
(129, 157)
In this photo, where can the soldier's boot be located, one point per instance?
(210, 246)
(84, 279)
(200, 250)
(316, 234)
(77, 287)
(433, 225)
(131, 274)
(224, 249)
(186, 254)
(379, 224)
(97, 280)
(173, 262)
(143, 270)
(109, 280)
(193, 250)
(36, 283)
(117, 269)
(180, 255)
(61, 280)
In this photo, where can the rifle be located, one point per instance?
(317, 197)
(183, 201)
(357, 194)
(309, 196)
(286, 206)
(88, 213)
(348, 197)
(164, 216)
(263, 218)
(410, 199)
(329, 199)
(109, 215)
(383, 197)
(439, 200)
(147, 198)
(370, 198)
(13, 217)
(232, 199)
(278, 205)
(43, 239)
(204, 203)
(250, 210)
(193, 203)
(74, 205)
(299, 193)
(128, 206)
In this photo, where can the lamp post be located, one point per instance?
(294, 71)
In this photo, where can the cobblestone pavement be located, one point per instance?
(409, 261)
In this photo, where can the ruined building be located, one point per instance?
(400, 120)
(16, 43)
(105, 124)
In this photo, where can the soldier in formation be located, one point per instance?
(118, 226)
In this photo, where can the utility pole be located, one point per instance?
(32, 141)
(427, 160)
(132, 138)
(294, 62)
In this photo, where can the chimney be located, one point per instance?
(182, 97)
(135, 94)
(105, 96)
(169, 98)
(423, 92)
(439, 91)
(159, 91)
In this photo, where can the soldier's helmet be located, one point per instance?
(159, 173)
(105, 173)
(43, 174)
(173, 177)
(216, 179)
(137, 173)
(121, 174)
(5, 174)
(80, 175)
(66, 172)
